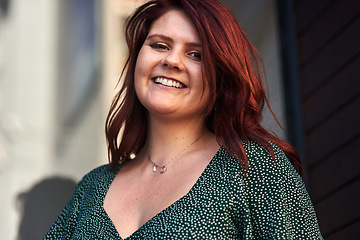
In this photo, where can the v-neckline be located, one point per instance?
(168, 208)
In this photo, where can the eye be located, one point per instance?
(159, 46)
(195, 55)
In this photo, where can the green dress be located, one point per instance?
(269, 202)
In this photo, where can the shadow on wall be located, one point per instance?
(41, 205)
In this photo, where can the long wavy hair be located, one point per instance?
(230, 67)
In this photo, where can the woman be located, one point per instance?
(193, 161)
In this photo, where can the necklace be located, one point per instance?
(163, 168)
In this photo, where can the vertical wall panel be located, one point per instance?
(328, 36)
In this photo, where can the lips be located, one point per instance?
(169, 82)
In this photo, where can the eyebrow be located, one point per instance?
(166, 38)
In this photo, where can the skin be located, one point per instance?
(173, 53)
(176, 119)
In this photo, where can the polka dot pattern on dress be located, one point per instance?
(269, 202)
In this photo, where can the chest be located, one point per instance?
(201, 212)
(131, 202)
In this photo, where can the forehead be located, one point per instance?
(177, 25)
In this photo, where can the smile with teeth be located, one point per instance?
(168, 82)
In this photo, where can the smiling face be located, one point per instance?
(168, 75)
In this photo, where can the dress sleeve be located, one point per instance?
(278, 204)
(64, 225)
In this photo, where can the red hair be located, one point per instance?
(229, 65)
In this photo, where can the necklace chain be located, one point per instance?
(163, 168)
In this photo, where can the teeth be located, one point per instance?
(168, 82)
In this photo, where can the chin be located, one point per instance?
(161, 110)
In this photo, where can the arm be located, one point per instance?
(64, 225)
(279, 206)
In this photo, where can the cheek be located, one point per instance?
(206, 95)
(142, 60)
(140, 70)
(139, 89)
(137, 81)
(138, 65)
(206, 89)
(199, 80)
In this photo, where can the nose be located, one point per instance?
(173, 60)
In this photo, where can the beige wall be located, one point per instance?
(27, 43)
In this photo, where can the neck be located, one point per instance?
(166, 139)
